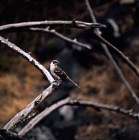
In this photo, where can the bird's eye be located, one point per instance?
(55, 62)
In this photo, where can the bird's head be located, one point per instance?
(55, 62)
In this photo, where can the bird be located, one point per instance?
(58, 73)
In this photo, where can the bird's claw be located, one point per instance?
(57, 84)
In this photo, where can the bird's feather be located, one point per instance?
(61, 74)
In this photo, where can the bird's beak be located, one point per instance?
(57, 62)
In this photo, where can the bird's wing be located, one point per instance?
(61, 74)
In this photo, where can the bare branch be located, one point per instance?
(40, 116)
(23, 115)
(75, 24)
(133, 95)
(54, 32)
(27, 56)
(69, 101)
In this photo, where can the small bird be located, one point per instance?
(58, 73)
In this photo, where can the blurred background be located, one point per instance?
(20, 82)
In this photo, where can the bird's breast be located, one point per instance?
(52, 69)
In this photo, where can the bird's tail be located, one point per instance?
(72, 82)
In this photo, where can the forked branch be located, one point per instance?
(22, 116)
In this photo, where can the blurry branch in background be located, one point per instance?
(54, 32)
(127, 1)
(77, 102)
(98, 9)
(26, 113)
(97, 33)
(90, 12)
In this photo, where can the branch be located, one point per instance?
(54, 32)
(119, 72)
(27, 56)
(69, 101)
(74, 24)
(90, 11)
(23, 115)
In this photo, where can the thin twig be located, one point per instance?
(90, 11)
(69, 101)
(75, 24)
(28, 57)
(134, 96)
(54, 32)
